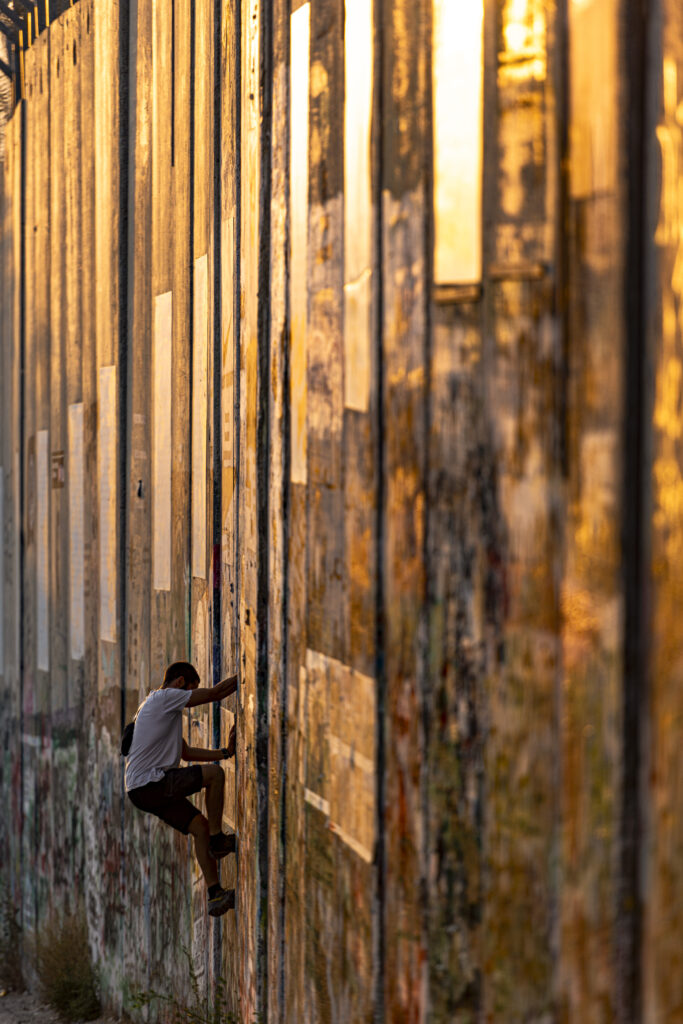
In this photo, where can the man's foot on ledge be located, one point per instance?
(221, 901)
(221, 845)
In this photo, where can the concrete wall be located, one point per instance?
(432, 517)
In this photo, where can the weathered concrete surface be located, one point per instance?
(428, 524)
(662, 703)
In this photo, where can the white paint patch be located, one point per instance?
(106, 462)
(42, 551)
(358, 65)
(227, 336)
(340, 724)
(76, 554)
(324, 807)
(200, 344)
(361, 851)
(317, 801)
(299, 86)
(458, 140)
(161, 441)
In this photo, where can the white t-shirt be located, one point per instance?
(157, 738)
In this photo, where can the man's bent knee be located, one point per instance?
(199, 826)
(212, 773)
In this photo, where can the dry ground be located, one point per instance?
(24, 1008)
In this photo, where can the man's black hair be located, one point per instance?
(178, 669)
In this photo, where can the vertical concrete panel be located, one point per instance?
(107, 313)
(458, 542)
(10, 212)
(230, 298)
(163, 644)
(524, 349)
(592, 601)
(662, 867)
(354, 704)
(404, 205)
(65, 387)
(295, 863)
(182, 328)
(250, 921)
(202, 422)
(37, 782)
(88, 337)
(95, 830)
(148, 850)
(277, 506)
(63, 243)
(171, 637)
(325, 541)
(460, 548)
(139, 384)
(101, 765)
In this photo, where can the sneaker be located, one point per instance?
(223, 901)
(221, 845)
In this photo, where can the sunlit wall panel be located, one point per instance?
(357, 201)
(593, 96)
(457, 83)
(300, 44)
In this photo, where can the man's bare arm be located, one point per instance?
(209, 694)
(201, 754)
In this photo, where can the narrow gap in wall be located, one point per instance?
(635, 521)
(237, 335)
(188, 592)
(217, 633)
(380, 667)
(124, 314)
(263, 499)
(22, 488)
(286, 471)
(561, 453)
(425, 695)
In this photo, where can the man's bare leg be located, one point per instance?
(214, 781)
(199, 829)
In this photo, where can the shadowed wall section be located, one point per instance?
(341, 349)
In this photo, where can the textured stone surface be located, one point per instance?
(434, 528)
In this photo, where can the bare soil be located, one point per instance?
(25, 1008)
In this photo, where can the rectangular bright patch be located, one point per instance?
(200, 355)
(458, 140)
(300, 76)
(161, 441)
(76, 560)
(106, 462)
(358, 80)
(43, 551)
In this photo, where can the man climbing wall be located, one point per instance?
(157, 785)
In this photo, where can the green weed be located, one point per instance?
(11, 969)
(197, 1011)
(68, 980)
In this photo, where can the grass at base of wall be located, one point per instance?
(11, 970)
(68, 980)
(198, 1012)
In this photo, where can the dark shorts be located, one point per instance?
(167, 797)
